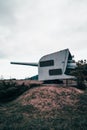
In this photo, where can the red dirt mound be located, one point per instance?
(46, 98)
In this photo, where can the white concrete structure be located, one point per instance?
(54, 66)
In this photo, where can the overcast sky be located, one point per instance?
(30, 29)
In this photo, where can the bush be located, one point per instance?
(10, 90)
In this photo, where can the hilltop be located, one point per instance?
(46, 107)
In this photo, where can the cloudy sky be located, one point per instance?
(30, 29)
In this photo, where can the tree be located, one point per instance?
(81, 74)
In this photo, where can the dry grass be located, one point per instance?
(46, 108)
(48, 98)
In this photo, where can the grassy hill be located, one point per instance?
(42, 107)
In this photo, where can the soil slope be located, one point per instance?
(46, 108)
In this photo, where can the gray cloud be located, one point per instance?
(44, 23)
(2, 55)
(7, 12)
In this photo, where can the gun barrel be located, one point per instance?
(24, 63)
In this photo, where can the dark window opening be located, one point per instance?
(46, 63)
(55, 72)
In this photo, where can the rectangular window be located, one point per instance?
(46, 63)
(55, 72)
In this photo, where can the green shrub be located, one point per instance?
(10, 90)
